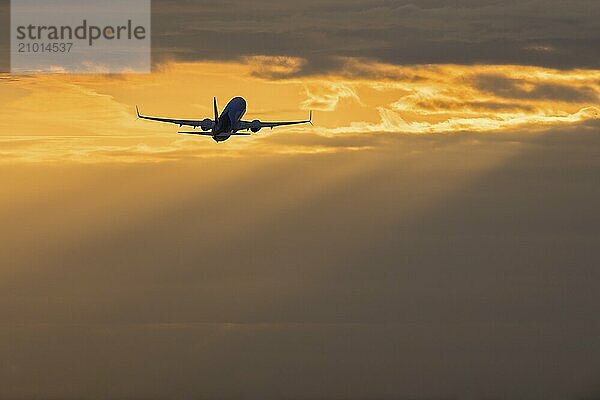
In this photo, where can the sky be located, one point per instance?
(435, 235)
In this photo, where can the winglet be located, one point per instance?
(310, 117)
(216, 110)
(137, 110)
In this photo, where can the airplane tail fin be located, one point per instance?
(216, 110)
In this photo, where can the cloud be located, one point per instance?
(549, 33)
(326, 96)
(91, 118)
(521, 89)
(272, 67)
(391, 121)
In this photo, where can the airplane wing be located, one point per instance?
(198, 133)
(257, 125)
(206, 124)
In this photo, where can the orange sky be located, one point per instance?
(433, 213)
(90, 117)
(434, 235)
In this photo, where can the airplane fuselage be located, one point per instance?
(229, 120)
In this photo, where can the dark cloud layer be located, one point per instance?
(551, 33)
(433, 266)
(517, 89)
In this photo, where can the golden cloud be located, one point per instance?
(90, 117)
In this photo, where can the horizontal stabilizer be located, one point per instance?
(197, 133)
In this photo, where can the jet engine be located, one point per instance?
(255, 126)
(206, 124)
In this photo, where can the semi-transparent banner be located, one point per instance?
(80, 36)
(4, 36)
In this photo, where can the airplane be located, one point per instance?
(228, 124)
